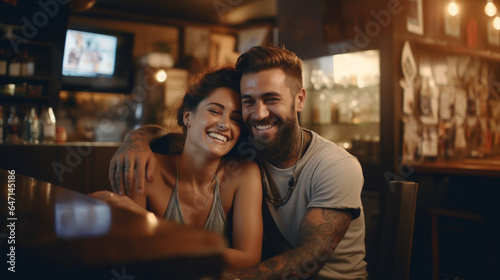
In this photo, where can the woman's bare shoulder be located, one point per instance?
(237, 165)
(244, 172)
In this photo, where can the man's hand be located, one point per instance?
(132, 163)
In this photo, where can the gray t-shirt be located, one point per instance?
(326, 177)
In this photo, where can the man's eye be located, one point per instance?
(248, 102)
(272, 100)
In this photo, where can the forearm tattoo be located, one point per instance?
(320, 232)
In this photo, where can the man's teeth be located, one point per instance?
(260, 127)
(218, 136)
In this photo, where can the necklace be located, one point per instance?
(278, 202)
(208, 196)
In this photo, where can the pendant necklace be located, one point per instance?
(278, 202)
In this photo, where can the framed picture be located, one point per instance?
(197, 44)
(452, 25)
(415, 17)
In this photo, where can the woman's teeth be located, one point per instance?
(217, 136)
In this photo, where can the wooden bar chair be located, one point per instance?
(397, 231)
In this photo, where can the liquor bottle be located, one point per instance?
(26, 126)
(2, 121)
(3, 63)
(48, 125)
(13, 127)
(36, 127)
(27, 65)
(14, 66)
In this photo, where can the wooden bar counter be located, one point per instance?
(52, 232)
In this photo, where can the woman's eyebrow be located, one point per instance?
(216, 104)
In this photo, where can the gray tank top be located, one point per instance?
(216, 220)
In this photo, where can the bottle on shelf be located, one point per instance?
(26, 126)
(3, 62)
(48, 125)
(36, 127)
(31, 127)
(14, 66)
(27, 64)
(2, 121)
(13, 127)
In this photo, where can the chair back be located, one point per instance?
(397, 231)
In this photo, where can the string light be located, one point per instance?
(490, 9)
(453, 8)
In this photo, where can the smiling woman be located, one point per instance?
(201, 187)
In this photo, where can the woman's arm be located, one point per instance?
(247, 218)
(120, 201)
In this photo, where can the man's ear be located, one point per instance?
(300, 99)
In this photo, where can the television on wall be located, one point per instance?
(97, 60)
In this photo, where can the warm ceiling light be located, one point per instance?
(453, 8)
(496, 23)
(490, 9)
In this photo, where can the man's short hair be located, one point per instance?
(261, 58)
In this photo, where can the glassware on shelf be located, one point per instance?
(13, 127)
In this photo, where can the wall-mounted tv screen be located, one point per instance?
(97, 60)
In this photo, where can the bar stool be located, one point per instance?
(435, 226)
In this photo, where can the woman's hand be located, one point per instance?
(121, 201)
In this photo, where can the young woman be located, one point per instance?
(203, 187)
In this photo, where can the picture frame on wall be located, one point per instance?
(197, 44)
(415, 17)
(452, 25)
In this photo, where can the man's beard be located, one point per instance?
(279, 147)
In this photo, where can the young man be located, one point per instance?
(312, 187)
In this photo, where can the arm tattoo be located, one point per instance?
(136, 142)
(320, 232)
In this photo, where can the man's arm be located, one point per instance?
(321, 230)
(134, 157)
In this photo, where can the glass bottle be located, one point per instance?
(36, 127)
(48, 125)
(3, 63)
(14, 66)
(13, 127)
(26, 126)
(2, 121)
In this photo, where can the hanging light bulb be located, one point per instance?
(496, 22)
(453, 8)
(490, 9)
